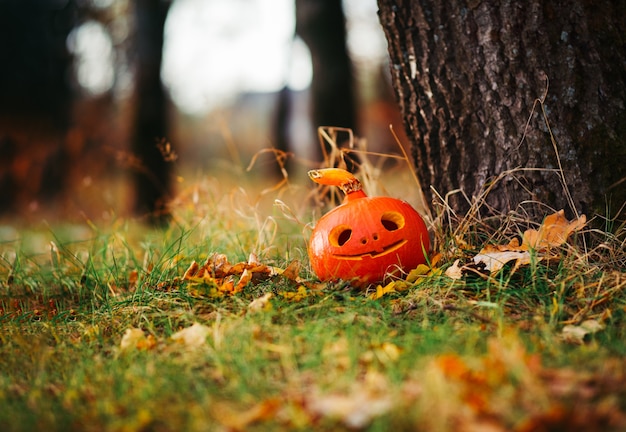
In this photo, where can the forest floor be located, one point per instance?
(117, 327)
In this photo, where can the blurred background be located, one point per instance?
(107, 105)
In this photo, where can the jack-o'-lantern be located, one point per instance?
(365, 238)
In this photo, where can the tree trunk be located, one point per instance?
(152, 178)
(35, 102)
(321, 25)
(466, 75)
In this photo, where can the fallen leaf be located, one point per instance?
(553, 231)
(135, 338)
(394, 286)
(496, 257)
(292, 271)
(242, 420)
(292, 274)
(245, 279)
(133, 277)
(192, 337)
(225, 278)
(261, 303)
(418, 273)
(458, 270)
(253, 259)
(455, 270)
(191, 271)
(385, 353)
(300, 294)
(356, 408)
(452, 366)
(576, 333)
(337, 353)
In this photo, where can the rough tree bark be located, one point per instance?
(153, 178)
(321, 25)
(466, 74)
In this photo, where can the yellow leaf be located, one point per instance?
(401, 285)
(228, 286)
(388, 352)
(240, 420)
(300, 294)
(435, 260)
(394, 286)
(200, 290)
(417, 273)
(134, 338)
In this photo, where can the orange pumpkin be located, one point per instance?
(365, 238)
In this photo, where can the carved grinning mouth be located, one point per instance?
(386, 250)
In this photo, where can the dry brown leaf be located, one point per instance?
(133, 277)
(553, 231)
(245, 279)
(455, 270)
(228, 286)
(191, 271)
(292, 271)
(458, 270)
(494, 259)
(227, 278)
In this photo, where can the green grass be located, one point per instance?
(441, 355)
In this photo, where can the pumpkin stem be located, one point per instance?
(341, 178)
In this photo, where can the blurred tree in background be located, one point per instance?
(150, 128)
(73, 139)
(321, 25)
(35, 101)
(49, 129)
